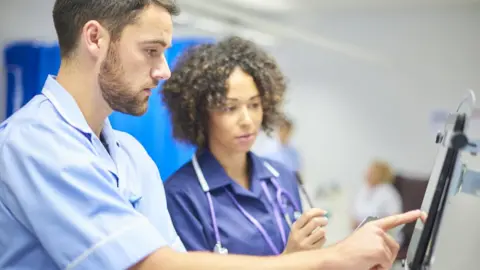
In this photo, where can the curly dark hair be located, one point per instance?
(199, 83)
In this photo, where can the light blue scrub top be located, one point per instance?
(65, 203)
(188, 205)
(288, 156)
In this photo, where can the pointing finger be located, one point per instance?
(391, 222)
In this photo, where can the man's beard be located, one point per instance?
(118, 94)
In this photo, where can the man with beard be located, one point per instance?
(76, 194)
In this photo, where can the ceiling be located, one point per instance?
(295, 7)
(274, 16)
(363, 5)
(270, 22)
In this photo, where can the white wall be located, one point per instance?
(349, 111)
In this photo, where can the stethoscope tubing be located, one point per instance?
(281, 205)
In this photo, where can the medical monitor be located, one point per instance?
(447, 168)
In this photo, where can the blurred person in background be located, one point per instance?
(286, 153)
(220, 96)
(377, 195)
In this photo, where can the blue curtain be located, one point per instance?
(34, 61)
(27, 65)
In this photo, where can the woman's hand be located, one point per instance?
(308, 232)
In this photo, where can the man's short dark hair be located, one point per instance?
(69, 17)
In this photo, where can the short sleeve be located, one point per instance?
(187, 225)
(57, 188)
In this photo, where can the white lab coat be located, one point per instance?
(380, 201)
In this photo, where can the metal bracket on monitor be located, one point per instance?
(473, 147)
(458, 141)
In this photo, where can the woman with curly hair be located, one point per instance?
(227, 199)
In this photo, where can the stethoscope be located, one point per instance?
(279, 204)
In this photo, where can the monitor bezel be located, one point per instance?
(426, 243)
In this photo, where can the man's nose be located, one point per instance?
(162, 71)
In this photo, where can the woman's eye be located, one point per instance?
(230, 108)
(255, 105)
(227, 108)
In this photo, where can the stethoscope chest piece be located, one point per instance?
(220, 250)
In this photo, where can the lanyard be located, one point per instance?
(257, 224)
(276, 212)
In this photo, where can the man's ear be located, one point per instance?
(95, 38)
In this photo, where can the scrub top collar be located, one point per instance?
(68, 108)
(217, 178)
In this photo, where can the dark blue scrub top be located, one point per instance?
(189, 208)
